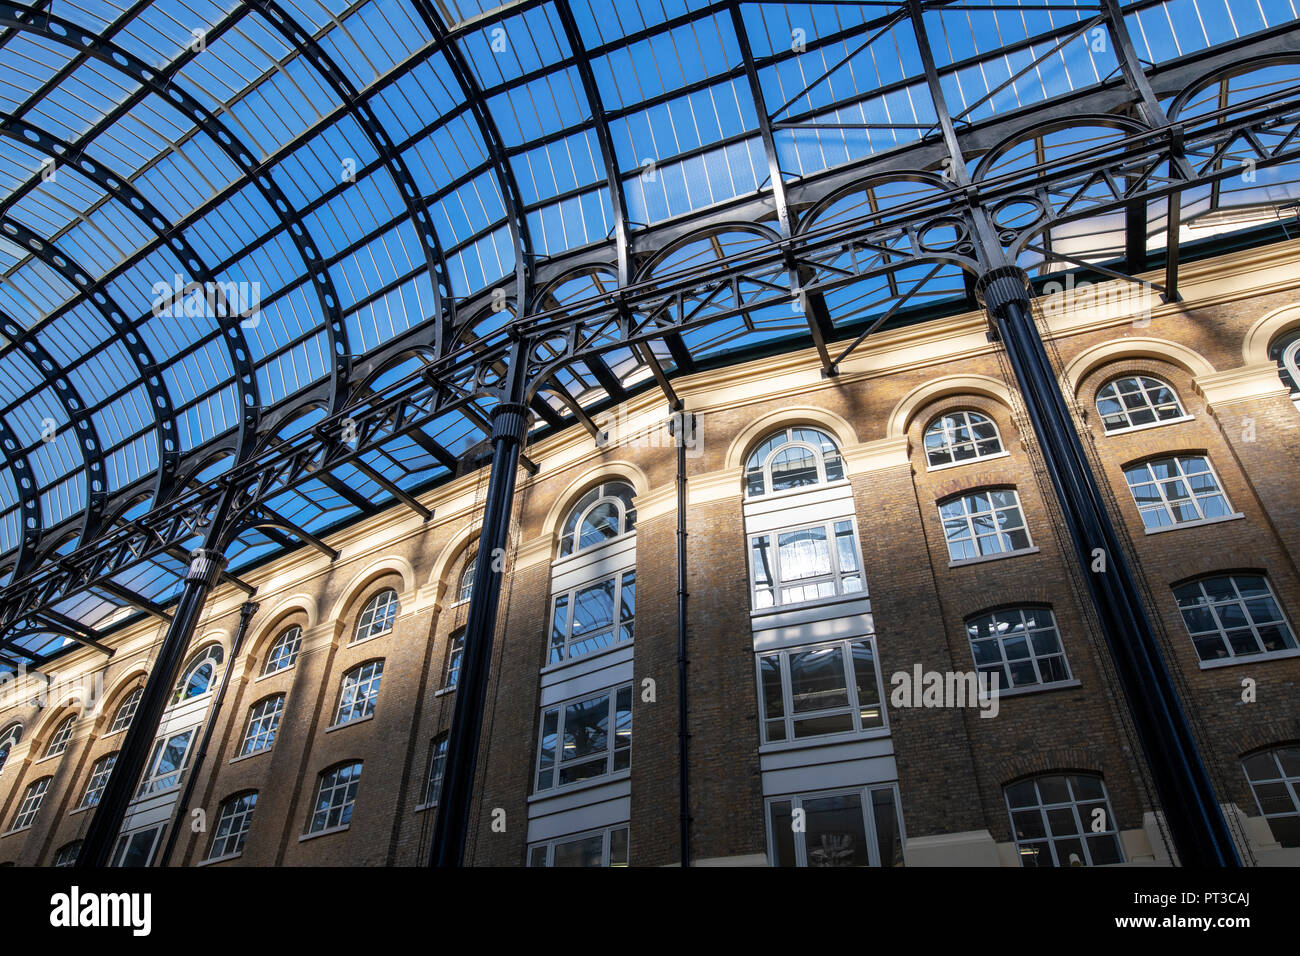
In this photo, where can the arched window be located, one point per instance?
(982, 523)
(199, 675)
(67, 855)
(359, 692)
(336, 794)
(263, 722)
(1274, 777)
(377, 616)
(958, 437)
(604, 512)
(1176, 490)
(63, 734)
(437, 764)
(792, 458)
(125, 713)
(1063, 819)
(1233, 615)
(455, 654)
(1020, 645)
(465, 587)
(1136, 401)
(31, 804)
(1285, 351)
(284, 652)
(233, 824)
(99, 774)
(8, 741)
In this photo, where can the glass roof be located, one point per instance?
(222, 221)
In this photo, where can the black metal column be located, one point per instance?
(509, 425)
(1183, 787)
(206, 565)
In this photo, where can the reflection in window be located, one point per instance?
(377, 616)
(792, 458)
(263, 722)
(1174, 490)
(1020, 645)
(465, 589)
(437, 764)
(822, 689)
(455, 655)
(99, 774)
(602, 848)
(585, 738)
(335, 796)
(31, 804)
(1063, 820)
(805, 564)
(359, 693)
(593, 616)
(136, 849)
(604, 512)
(284, 652)
(1233, 616)
(8, 741)
(960, 437)
(232, 826)
(1275, 779)
(59, 742)
(198, 676)
(67, 856)
(983, 523)
(126, 712)
(167, 762)
(1136, 401)
(858, 827)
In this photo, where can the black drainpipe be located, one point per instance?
(679, 425)
(246, 612)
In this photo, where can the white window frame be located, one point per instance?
(127, 840)
(157, 782)
(949, 446)
(853, 707)
(547, 848)
(234, 813)
(1279, 777)
(68, 853)
(613, 747)
(328, 781)
(213, 655)
(455, 658)
(290, 637)
(436, 772)
(837, 575)
(1083, 828)
(30, 807)
(61, 737)
(969, 516)
(353, 680)
(262, 726)
(1144, 383)
(1002, 666)
(465, 583)
(1288, 361)
(377, 616)
(99, 773)
(566, 639)
(10, 739)
(864, 794)
(763, 468)
(1243, 602)
(1165, 505)
(571, 530)
(126, 712)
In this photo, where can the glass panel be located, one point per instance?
(889, 840)
(588, 851)
(870, 711)
(817, 680)
(782, 828)
(803, 554)
(836, 831)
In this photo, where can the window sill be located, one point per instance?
(564, 791)
(444, 690)
(824, 740)
(571, 661)
(1038, 688)
(1195, 524)
(973, 461)
(1250, 659)
(425, 806)
(992, 557)
(366, 640)
(255, 753)
(351, 723)
(219, 859)
(82, 809)
(41, 760)
(851, 596)
(1148, 426)
(593, 552)
(17, 830)
(303, 838)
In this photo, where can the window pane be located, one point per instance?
(817, 679)
(836, 831)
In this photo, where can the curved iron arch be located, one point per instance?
(1181, 100)
(1126, 124)
(67, 33)
(29, 499)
